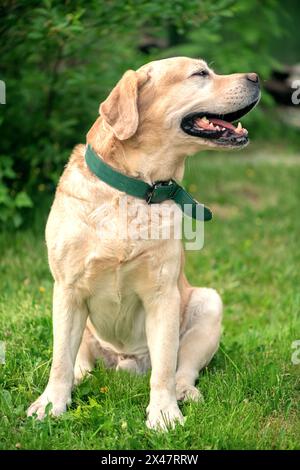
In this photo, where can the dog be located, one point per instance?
(127, 300)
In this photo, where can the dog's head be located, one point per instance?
(183, 102)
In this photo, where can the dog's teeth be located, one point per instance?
(223, 128)
(239, 128)
(217, 128)
(205, 119)
(211, 125)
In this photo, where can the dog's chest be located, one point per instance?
(118, 271)
(117, 313)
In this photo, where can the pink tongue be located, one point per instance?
(219, 122)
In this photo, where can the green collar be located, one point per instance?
(157, 192)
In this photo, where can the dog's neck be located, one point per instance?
(133, 157)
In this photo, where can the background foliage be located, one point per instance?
(59, 59)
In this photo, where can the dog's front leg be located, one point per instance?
(162, 330)
(69, 319)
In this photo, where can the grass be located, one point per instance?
(251, 388)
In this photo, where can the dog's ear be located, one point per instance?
(120, 109)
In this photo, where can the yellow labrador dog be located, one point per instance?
(127, 300)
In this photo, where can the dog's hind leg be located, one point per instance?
(199, 340)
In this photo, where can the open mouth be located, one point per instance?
(218, 127)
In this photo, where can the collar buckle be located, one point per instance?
(170, 186)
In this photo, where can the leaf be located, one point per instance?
(17, 220)
(23, 200)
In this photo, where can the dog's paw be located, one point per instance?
(187, 392)
(164, 419)
(39, 408)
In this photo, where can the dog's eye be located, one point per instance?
(201, 73)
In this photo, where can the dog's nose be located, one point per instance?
(252, 77)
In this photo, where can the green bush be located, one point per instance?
(60, 58)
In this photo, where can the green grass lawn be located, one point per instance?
(251, 388)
